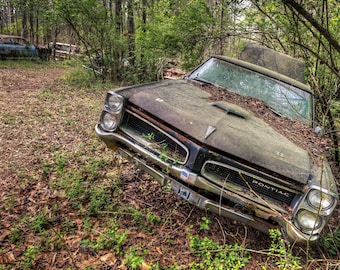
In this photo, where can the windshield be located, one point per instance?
(284, 98)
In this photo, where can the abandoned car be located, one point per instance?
(16, 47)
(63, 50)
(199, 136)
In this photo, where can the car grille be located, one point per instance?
(220, 173)
(154, 139)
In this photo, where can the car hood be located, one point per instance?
(223, 126)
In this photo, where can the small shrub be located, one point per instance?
(216, 257)
(100, 200)
(132, 259)
(28, 258)
(113, 239)
(151, 218)
(204, 225)
(80, 78)
(331, 242)
(280, 253)
(39, 223)
(15, 235)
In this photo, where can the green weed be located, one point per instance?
(80, 78)
(331, 241)
(204, 225)
(39, 223)
(100, 200)
(280, 253)
(113, 239)
(60, 161)
(132, 259)
(149, 136)
(15, 235)
(151, 218)
(213, 256)
(10, 202)
(137, 215)
(29, 256)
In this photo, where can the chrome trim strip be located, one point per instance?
(203, 172)
(126, 130)
(112, 138)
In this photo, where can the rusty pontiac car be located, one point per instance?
(217, 154)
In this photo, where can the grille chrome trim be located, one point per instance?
(159, 142)
(222, 174)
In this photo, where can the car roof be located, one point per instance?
(11, 36)
(67, 44)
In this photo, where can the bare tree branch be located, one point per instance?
(323, 31)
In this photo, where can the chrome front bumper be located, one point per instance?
(187, 193)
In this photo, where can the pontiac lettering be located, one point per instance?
(271, 188)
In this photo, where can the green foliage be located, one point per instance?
(331, 241)
(76, 174)
(176, 31)
(113, 239)
(29, 256)
(132, 259)
(39, 223)
(15, 235)
(151, 218)
(214, 256)
(137, 215)
(80, 78)
(204, 225)
(100, 200)
(149, 136)
(280, 253)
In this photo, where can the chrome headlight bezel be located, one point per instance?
(320, 200)
(308, 221)
(108, 121)
(112, 111)
(114, 102)
(315, 207)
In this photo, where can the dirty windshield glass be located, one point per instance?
(285, 99)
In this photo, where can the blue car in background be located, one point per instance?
(16, 47)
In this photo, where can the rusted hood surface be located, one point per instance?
(238, 132)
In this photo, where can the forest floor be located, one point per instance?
(67, 202)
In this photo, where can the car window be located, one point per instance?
(282, 97)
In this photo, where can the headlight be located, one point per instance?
(114, 102)
(319, 200)
(308, 221)
(108, 121)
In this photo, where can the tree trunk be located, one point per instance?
(131, 33)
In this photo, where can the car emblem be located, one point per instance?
(209, 131)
